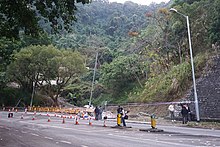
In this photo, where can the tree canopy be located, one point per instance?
(46, 68)
(24, 15)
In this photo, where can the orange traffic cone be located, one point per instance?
(48, 119)
(104, 125)
(77, 123)
(90, 123)
(22, 116)
(63, 120)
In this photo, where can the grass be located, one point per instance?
(171, 85)
(208, 125)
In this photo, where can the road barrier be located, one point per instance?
(119, 119)
(153, 121)
(54, 109)
(153, 125)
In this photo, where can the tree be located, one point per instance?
(7, 47)
(45, 67)
(122, 71)
(215, 23)
(24, 15)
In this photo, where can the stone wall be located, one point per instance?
(208, 91)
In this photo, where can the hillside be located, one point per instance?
(208, 91)
(143, 53)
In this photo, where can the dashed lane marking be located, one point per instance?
(84, 146)
(23, 132)
(48, 138)
(34, 134)
(152, 140)
(7, 128)
(67, 142)
(58, 127)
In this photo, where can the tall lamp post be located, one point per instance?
(93, 79)
(191, 57)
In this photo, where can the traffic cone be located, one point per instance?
(90, 123)
(63, 120)
(48, 119)
(104, 125)
(77, 123)
(22, 116)
(9, 113)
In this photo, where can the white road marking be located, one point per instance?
(7, 128)
(23, 132)
(58, 127)
(67, 142)
(152, 140)
(33, 129)
(16, 130)
(48, 138)
(84, 146)
(34, 134)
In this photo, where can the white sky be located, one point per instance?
(142, 2)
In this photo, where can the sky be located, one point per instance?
(142, 2)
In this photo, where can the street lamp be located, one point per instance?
(93, 79)
(191, 57)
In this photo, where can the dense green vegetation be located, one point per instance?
(143, 52)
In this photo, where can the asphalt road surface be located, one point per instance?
(17, 132)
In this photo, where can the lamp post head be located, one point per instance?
(172, 9)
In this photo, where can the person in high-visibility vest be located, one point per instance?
(121, 116)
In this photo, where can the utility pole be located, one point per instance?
(93, 79)
(32, 95)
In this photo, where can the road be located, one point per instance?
(17, 132)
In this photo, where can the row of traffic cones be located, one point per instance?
(63, 120)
